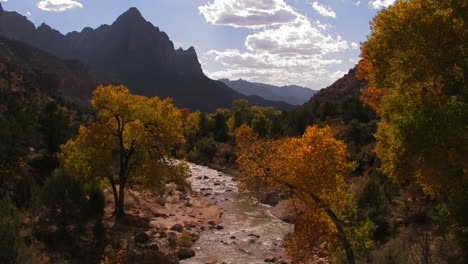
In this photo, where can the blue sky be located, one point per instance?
(304, 42)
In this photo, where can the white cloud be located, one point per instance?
(337, 74)
(58, 5)
(302, 38)
(354, 45)
(248, 13)
(357, 3)
(323, 10)
(294, 51)
(379, 4)
(3, 0)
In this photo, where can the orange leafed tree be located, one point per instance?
(312, 169)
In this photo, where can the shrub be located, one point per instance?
(172, 240)
(68, 205)
(185, 240)
(96, 202)
(160, 200)
(13, 250)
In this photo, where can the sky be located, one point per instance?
(310, 43)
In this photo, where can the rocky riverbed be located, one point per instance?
(247, 233)
(225, 225)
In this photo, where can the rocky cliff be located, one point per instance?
(137, 54)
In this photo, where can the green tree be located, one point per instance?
(240, 108)
(54, 123)
(220, 128)
(261, 124)
(416, 63)
(131, 139)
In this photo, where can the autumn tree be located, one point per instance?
(131, 140)
(312, 169)
(192, 126)
(415, 61)
(244, 136)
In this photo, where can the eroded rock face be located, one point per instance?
(134, 52)
(15, 25)
(346, 86)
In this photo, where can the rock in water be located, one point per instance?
(185, 252)
(141, 238)
(178, 228)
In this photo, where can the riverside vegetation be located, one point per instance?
(376, 175)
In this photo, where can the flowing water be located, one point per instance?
(250, 232)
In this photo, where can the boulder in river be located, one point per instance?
(285, 211)
(177, 227)
(141, 238)
(270, 198)
(185, 252)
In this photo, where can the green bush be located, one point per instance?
(96, 202)
(185, 240)
(68, 205)
(26, 190)
(160, 200)
(12, 247)
(172, 240)
(205, 149)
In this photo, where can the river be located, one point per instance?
(250, 232)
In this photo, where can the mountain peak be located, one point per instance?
(133, 11)
(1, 8)
(132, 14)
(44, 26)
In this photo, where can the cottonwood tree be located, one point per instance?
(416, 63)
(312, 169)
(130, 140)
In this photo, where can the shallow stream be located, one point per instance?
(250, 233)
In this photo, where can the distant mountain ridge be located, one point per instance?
(136, 53)
(291, 94)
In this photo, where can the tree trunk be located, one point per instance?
(114, 192)
(349, 253)
(120, 207)
(341, 234)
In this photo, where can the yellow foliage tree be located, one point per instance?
(244, 135)
(131, 139)
(416, 63)
(312, 169)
